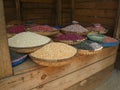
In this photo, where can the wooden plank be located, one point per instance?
(37, 11)
(41, 76)
(66, 15)
(98, 5)
(58, 10)
(38, 16)
(66, 11)
(5, 62)
(9, 3)
(117, 27)
(10, 10)
(36, 5)
(18, 9)
(67, 19)
(40, 21)
(41, 1)
(73, 10)
(79, 75)
(92, 82)
(27, 66)
(65, 23)
(95, 20)
(66, 5)
(66, 1)
(99, 13)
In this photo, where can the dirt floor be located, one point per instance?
(113, 83)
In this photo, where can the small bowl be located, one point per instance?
(19, 60)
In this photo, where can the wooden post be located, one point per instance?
(59, 14)
(117, 28)
(18, 10)
(73, 10)
(5, 62)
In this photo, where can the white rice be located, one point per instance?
(27, 39)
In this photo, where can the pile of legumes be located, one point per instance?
(27, 39)
(88, 45)
(70, 36)
(55, 51)
(42, 28)
(16, 29)
(75, 28)
(109, 40)
(97, 27)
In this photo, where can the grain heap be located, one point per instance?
(42, 28)
(108, 39)
(54, 51)
(27, 40)
(75, 28)
(70, 36)
(16, 29)
(97, 27)
(89, 45)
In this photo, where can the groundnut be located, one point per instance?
(55, 51)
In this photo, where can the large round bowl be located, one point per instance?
(52, 63)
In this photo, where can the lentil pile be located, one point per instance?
(55, 51)
(109, 40)
(88, 45)
(70, 36)
(97, 27)
(75, 28)
(42, 28)
(16, 29)
(27, 39)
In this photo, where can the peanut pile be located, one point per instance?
(55, 51)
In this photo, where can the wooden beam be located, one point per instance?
(73, 10)
(18, 10)
(5, 63)
(59, 12)
(117, 27)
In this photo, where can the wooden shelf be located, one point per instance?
(29, 65)
(29, 75)
(26, 66)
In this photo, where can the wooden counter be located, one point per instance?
(31, 76)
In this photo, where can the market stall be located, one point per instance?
(60, 57)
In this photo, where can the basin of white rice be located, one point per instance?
(27, 40)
